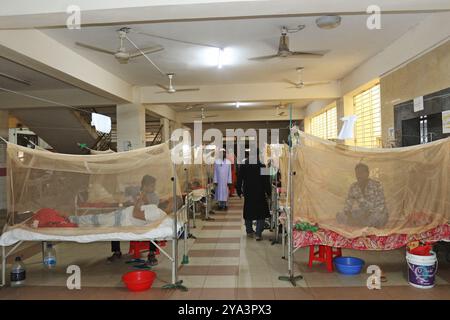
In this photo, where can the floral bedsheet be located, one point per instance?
(395, 241)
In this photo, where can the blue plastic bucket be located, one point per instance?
(422, 270)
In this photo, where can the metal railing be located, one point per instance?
(158, 137)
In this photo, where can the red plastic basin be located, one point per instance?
(140, 280)
(422, 250)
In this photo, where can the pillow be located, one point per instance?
(152, 212)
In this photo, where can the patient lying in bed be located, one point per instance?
(129, 216)
(365, 205)
(146, 209)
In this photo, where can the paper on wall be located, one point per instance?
(418, 104)
(446, 121)
(347, 127)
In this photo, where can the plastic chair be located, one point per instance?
(324, 255)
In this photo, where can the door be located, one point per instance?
(410, 132)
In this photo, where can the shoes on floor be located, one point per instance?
(251, 234)
(115, 257)
(152, 261)
(258, 238)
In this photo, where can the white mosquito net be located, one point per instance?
(87, 194)
(359, 191)
(196, 170)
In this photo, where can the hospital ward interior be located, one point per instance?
(232, 150)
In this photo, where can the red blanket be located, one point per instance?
(50, 218)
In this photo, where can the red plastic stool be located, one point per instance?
(137, 246)
(324, 255)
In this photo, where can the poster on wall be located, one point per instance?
(446, 121)
(418, 104)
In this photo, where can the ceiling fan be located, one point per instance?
(204, 116)
(121, 54)
(13, 78)
(171, 88)
(300, 83)
(284, 52)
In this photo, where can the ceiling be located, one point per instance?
(260, 105)
(350, 44)
(41, 86)
(38, 80)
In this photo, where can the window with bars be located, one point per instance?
(368, 124)
(324, 125)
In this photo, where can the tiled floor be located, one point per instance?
(223, 264)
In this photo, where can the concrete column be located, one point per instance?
(130, 126)
(4, 133)
(165, 129)
(340, 113)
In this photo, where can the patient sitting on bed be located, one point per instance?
(365, 205)
(147, 187)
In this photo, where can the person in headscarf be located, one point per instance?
(254, 184)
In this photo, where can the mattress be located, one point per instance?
(391, 242)
(164, 231)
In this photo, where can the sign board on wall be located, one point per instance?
(446, 121)
(418, 104)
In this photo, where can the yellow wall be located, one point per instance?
(427, 74)
(307, 120)
(13, 122)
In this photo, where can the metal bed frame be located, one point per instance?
(288, 230)
(86, 209)
(275, 214)
(172, 256)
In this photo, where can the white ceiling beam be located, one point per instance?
(44, 54)
(428, 34)
(73, 97)
(241, 115)
(50, 13)
(162, 111)
(277, 91)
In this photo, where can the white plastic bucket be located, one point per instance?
(422, 270)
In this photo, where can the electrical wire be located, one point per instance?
(59, 128)
(177, 40)
(44, 100)
(149, 60)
